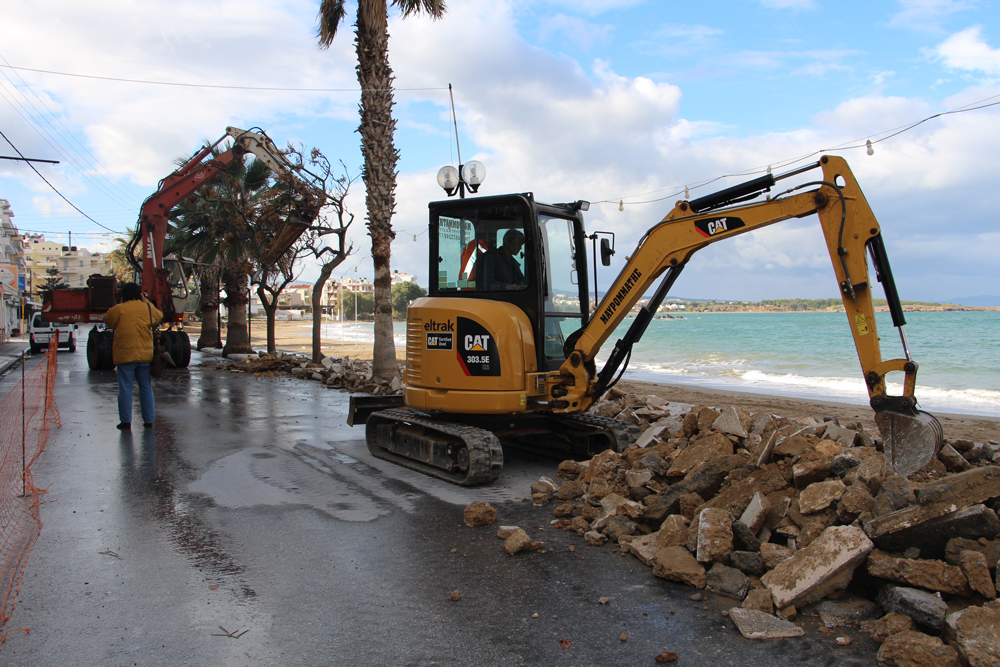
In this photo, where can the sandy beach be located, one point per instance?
(289, 337)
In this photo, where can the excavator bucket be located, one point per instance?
(911, 441)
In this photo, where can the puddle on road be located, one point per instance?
(319, 474)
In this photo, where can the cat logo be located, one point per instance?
(477, 343)
(709, 227)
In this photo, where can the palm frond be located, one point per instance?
(331, 13)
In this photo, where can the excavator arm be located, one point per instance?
(849, 228)
(153, 216)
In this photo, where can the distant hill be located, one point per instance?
(988, 301)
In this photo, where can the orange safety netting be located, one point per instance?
(27, 414)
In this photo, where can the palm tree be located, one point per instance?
(377, 148)
(215, 225)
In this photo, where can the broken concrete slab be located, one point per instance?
(849, 608)
(759, 599)
(733, 421)
(909, 527)
(822, 567)
(673, 532)
(952, 460)
(934, 575)
(890, 624)
(715, 536)
(748, 562)
(677, 564)
(973, 564)
(727, 581)
(820, 495)
(973, 631)
(844, 436)
(915, 649)
(756, 512)
(644, 548)
(961, 489)
(924, 608)
(652, 435)
(702, 450)
(754, 624)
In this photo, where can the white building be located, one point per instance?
(398, 277)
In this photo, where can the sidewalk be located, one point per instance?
(10, 352)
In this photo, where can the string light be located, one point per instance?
(621, 205)
(687, 193)
(870, 151)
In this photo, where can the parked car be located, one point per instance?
(40, 333)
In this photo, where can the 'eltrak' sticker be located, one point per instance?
(477, 351)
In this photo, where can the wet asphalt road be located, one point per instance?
(251, 506)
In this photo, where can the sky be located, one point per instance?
(623, 103)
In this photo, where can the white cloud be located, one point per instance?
(967, 50)
(928, 14)
(789, 4)
(584, 34)
(592, 7)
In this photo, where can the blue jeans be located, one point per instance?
(137, 371)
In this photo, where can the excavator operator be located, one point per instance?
(503, 271)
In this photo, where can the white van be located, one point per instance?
(41, 332)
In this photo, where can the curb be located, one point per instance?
(8, 360)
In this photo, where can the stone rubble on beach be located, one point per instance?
(800, 518)
(348, 374)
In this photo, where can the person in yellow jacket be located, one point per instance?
(133, 321)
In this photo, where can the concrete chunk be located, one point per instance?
(754, 624)
(715, 535)
(733, 421)
(727, 581)
(903, 529)
(820, 495)
(973, 631)
(934, 575)
(824, 566)
(756, 512)
(924, 608)
(677, 564)
(974, 566)
(915, 649)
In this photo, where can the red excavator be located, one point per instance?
(167, 280)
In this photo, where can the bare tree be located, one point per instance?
(330, 257)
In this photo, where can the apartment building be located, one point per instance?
(12, 271)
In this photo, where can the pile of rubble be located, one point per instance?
(348, 374)
(801, 517)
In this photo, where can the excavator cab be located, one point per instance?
(515, 250)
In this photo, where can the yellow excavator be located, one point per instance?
(505, 346)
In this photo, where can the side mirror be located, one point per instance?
(606, 252)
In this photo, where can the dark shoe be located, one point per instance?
(125, 426)
(148, 425)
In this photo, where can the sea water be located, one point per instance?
(803, 355)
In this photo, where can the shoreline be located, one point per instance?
(978, 428)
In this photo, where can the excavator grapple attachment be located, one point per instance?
(911, 440)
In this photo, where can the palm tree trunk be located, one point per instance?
(379, 176)
(237, 298)
(208, 277)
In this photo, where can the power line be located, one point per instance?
(54, 189)
(849, 145)
(205, 85)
